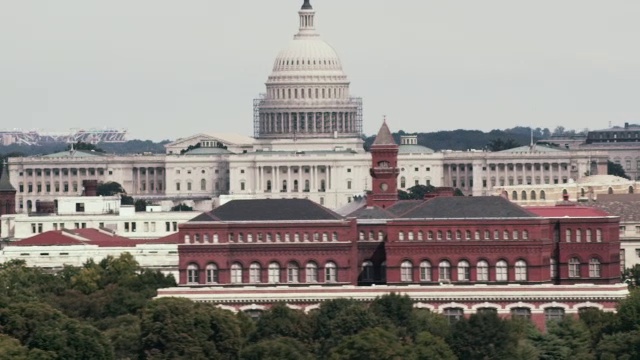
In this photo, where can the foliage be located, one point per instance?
(278, 348)
(110, 188)
(281, 321)
(83, 146)
(189, 148)
(483, 336)
(370, 344)
(616, 169)
(500, 144)
(141, 205)
(416, 192)
(182, 207)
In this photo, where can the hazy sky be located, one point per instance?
(166, 68)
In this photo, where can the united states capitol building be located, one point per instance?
(307, 143)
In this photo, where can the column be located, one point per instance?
(289, 184)
(300, 181)
(146, 180)
(313, 179)
(276, 175)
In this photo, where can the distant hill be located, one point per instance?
(470, 139)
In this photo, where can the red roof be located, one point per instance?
(566, 211)
(88, 237)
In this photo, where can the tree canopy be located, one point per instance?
(616, 170)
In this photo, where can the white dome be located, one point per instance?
(308, 54)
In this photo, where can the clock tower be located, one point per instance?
(384, 169)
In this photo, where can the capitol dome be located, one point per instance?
(307, 92)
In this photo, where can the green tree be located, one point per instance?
(501, 144)
(281, 321)
(182, 207)
(110, 188)
(141, 205)
(416, 192)
(39, 326)
(370, 344)
(397, 309)
(423, 320)
(179, 328)
(620, 346)
(616, 169)
(339, 318)
(278, 348)
(11, 349)
(84, 147)
(565, 339)
(482, 336)
(428, 346)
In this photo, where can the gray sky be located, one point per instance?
(168, 68)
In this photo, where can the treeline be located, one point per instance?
(475, 139)
(127, 147)
(105, 310)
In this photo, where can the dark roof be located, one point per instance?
(384, 136)
(269, 210)
(627, 206)
(372, 212)
(5, 184)
(481, 207)
(306, 5)
(402, 206)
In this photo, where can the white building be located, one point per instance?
(99, 213)
(52, 250)
(307, 143)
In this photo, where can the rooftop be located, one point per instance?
(268, 210)
(96, 237)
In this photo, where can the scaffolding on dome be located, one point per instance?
(258, 103)
(39, 137)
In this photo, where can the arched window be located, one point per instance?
(574, 267)
(429, 235)
(553, 313)
(502, 271)
(482, 271)
(268, 185)
(367, 271)
(293, 273)
(212, 273)
(425, 271)
(578, 235)
(505, 235)
(249, 237)
(458, 235)
(203, 184)
(467, 235)
(543, 196)
(533, 195)
(401, 236)
(588, 235)
(594, 268)
(449, 234)
(330, 272)
(630, 189)
(361, 235)
(325, 236)
(306, 185)
(598, 235)
(516, 235)
(524, 195)
(406, 271)
(255, 271)
(514, 195)
(284, 186)
(525, 234)
(403, 182)
(582, 192)
(567, 235)
(311, 272)
(380, 235)
(463, 271)
(274, 273)
(193, 274)
(295, 185)
(521, 270)
(236, 273)
(521, 312)
(371, 238)
(444, 271)
(420, 235)
(335, 236)
(610, 191)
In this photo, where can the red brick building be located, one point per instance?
(7, 194)
(451, 254)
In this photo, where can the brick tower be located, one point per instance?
(7, 193)
(384, 169)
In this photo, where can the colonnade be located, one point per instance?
(308, 122)
(310, 178)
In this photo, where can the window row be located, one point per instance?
(203, 185)
(242, 237)
(324, 93)
(454, 314)
(460, 235)
(571, 236)
(463, 271)
(273, 274)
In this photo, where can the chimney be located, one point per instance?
(626, 125)
(441, 192)
(90, 187)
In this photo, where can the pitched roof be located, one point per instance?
(402, 206)
(77, 237)
(384, 136)
(479, 207)
(75, 154)
(535, 149)
(567, 210)
(626, 206)
(5, 184)
(269, 210)
(372, 212)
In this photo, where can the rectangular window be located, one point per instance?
(133, 226)
(622, 230)
(349, 184)
(175, 226)
(188, 186)
(146, 226)
(33, 228)
(126, 227)
(79, 207)
(177, 186)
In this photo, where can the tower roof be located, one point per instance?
(5, 184)
(384, 136)
(306, 5)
